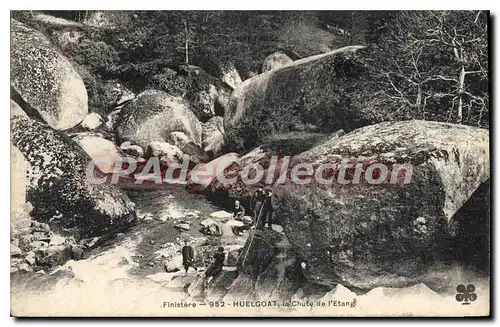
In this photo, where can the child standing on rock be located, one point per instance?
(187, 256)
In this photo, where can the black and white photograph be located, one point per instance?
(250, 163)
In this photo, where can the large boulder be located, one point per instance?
(152, 116)
(104, 152)
(45, 79)
(58, 186)
(314, 94)
(275, 60)
(213, 136)
(392, 232)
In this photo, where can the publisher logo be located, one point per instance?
(466, 295)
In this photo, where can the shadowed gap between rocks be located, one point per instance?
(471, 230)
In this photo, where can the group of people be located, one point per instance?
(262, 210)
(215, 267)
(261, 207)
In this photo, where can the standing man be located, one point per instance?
(257, 199)
(266, 218)
(187, 256)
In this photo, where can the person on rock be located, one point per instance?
(266, 215)
(238, 210)
(238, 214)
(297, 274)
(187, 256)
(215, 267)
(256, 202)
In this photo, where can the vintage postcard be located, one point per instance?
(250, 163)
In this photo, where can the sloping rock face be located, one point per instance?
(471, 230)
(58, 187)
(152, 116)
(275, 60)
(45, 79)
(309, 95)
(363, 235)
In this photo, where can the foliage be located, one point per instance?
(419, 64)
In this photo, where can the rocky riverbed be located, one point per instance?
(128, 274)
(147, 254)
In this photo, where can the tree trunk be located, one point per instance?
(461, 80)
(187, 42)
(186, 49)
(419, 98)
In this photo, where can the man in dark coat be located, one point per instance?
(216, 267)
(256, 202)
(266, 214)
(187, 256)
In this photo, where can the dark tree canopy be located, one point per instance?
(421, 64)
